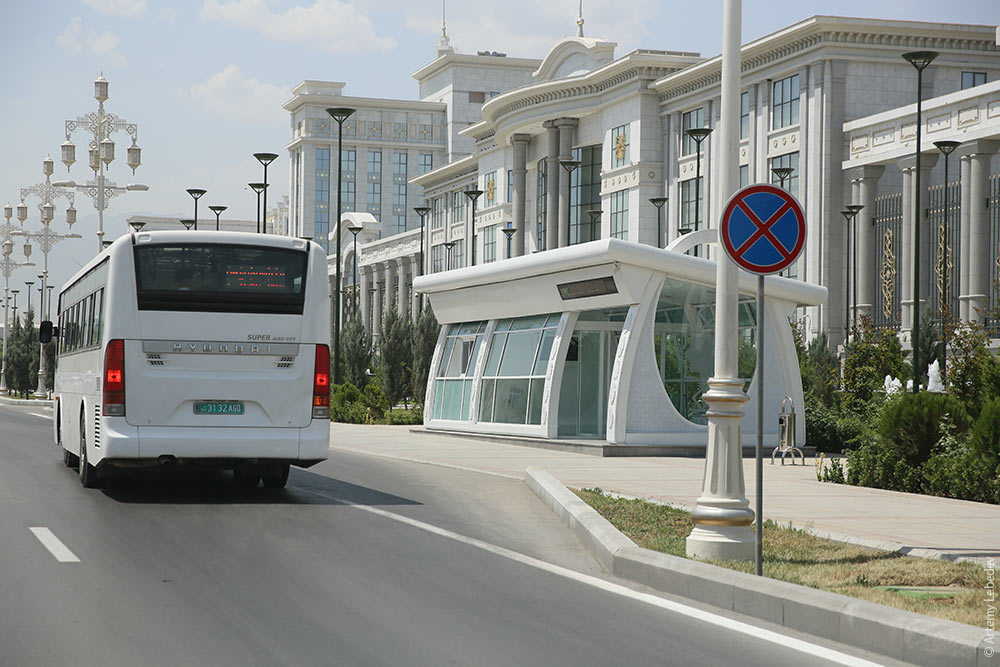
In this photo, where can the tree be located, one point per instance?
(425, 334)
(394, 356)
(358, 352)
(22, 356)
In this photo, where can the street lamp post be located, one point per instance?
(595, 221)
(944, 302)
(27, 295)
(217, 210)
(422, 212)
(258, 188)
(508, 231)
(136, 226)
(7, 266)
(658, 202)
(339, 114)
(265, 159)
(101, 125)
(188, 224)
(448, 245)
(473, 194)
(783, 173)
(698, 134)
(850, 214)
(570, 166)
(354, 227)
(196, 194)
(920, 60)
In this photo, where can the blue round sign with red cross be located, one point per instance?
(763, 229)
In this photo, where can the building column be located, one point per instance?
(403, 305)
(867, 179)
(965, 172)
(980, 273)
(567, 135)
(366, 284)
(389, 292)
(380, 290)
(520, 144)
(551, 185)
(927, 163)
(908, 166)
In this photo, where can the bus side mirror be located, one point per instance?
(45, 331)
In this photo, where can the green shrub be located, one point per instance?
(911, 424)
(985, 435)
(346, 404)
(972, 374)
(873, 465)
(831, 431)
(374, 402)
(958, 469)
(834, 472)
(412, 417)
(874, 353)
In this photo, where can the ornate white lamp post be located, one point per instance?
(46, 238)
(101, 125)
(7, 266)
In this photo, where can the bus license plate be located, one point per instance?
(218, 407)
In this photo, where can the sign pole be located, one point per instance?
(759, 507)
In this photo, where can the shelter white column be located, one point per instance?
(520, 144)
(979, 230)
(552, 186)
(723, 516)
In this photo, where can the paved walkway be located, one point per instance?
(916, 524)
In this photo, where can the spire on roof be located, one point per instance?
(579, 21)
(444, 44)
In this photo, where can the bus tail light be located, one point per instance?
(114, 379)
(321, 383)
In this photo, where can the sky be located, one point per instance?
(204, 80)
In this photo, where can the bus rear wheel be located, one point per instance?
(275, 476)
(246, 476)
(90, 476)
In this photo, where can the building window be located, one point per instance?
(510, 186)
(398, 208)
(691, 119)
(437, 258)
(744, 115)
(476, 97)
(375, 199)
(540, 202)
(744, 175)
(785, 104)
(619, 215)
(514, 377)
(348, 162)
(374, 165)
(970, 79)
(490, 189)
(399, 130)
(426, 163)
(688, 194)
(490, 244)
(584, 194)
(458, 204)
(619, 146)
(321, 196)
(453, 379)
(787, 160)
(347, 199)
(399, 167)
(494, 93)
(458, 254)
(437, 213)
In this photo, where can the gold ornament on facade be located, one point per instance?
(943, 261)
(620, 147)
(491, 190)
(888, 273)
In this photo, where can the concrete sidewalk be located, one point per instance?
(907, 523)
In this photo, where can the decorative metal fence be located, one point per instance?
(888, 226)
(945, 250)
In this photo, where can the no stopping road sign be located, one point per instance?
(763, 229)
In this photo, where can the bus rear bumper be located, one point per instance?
(152, 444)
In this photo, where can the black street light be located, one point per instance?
(473, 194)
(422, 212)
(658, 202)
(944, 303)
(448, 245)
(29, 284)
(570, 166)
(508, 231)
(595, 221)
(354, 227)
(136, 226)
(196, 194)
(15, 292)
(48, 302)
(339, 114)
(920, 60)
(698, 134)
(258, 188)
(217, 210)
(265, 159)
(783, 173)
(188, 224)
(852, 211)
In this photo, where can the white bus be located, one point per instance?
(195, 348)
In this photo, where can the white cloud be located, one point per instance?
(331, 26)
(102, 45)
(241, 99)
(118, 8)
(168, 15)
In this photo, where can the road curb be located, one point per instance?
(40, 402)
(894, 633)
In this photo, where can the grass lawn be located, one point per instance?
(956, 589)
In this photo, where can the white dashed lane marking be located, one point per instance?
(59, 550)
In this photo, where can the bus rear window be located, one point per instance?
(220, 278)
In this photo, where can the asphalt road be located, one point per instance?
(360, 561)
